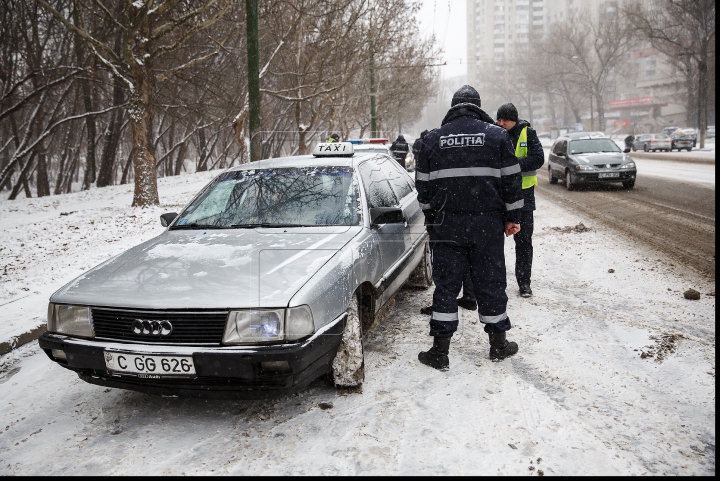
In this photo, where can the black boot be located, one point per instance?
(437, 355)
(427, 310)
(500, 348)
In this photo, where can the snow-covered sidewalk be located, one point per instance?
(615, 374)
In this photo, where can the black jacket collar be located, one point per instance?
(467, 110)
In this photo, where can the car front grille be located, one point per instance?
(188, 327)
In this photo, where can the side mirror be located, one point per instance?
(167, 219)
(386, 215)
(627, 150)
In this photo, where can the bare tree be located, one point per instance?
(151, 29)
(684, 31)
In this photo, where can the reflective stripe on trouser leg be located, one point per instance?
(449, 264)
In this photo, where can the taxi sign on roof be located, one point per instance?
(334, 149)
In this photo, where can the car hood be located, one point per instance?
(601, 158)
(209, 269)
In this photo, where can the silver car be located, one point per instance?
(654, 142)
(263, 283)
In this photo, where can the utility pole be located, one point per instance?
(253, 59)
(373, 115)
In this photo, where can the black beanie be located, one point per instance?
(507, 112)
(466, 95)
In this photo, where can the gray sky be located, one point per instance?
(446, 19)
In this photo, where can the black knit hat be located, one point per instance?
(466, 95)
(507, 112)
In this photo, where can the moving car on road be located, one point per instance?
(581, 160)
(654, 142)
(264, 282)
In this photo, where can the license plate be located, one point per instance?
(608, 175)
(149, 366)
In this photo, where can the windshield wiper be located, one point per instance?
(197, 226)
(268, 224)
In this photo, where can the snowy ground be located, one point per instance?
(615, 373)
(703, 174)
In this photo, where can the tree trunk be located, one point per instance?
(202, 152)
(703, 91)
(143, 160)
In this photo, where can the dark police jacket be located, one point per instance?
(469, 165)
(534, 160)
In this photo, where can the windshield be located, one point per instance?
(275, 198)
(593, 145)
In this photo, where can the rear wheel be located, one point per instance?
(348, 367)
(551, 177)
(568, 181)
(688, 149)
(645, 147)
(422, 275)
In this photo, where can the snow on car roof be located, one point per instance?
(306, 161)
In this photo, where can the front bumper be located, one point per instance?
(222, 372)
(594, 176)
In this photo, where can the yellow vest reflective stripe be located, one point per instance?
(529, 179)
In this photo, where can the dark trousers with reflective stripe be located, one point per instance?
(524, 249)
(464, 240)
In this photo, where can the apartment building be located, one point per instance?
(648, 97)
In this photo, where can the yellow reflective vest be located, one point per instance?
(529, 178)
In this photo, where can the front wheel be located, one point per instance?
(348, 367)
(629, 184)
(568, 181)
(645, 147)
(551, 177)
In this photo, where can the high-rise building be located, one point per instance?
(499, 33)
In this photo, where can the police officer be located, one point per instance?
(531, 157)
(334, 138)
(469, 187)
(400, 149)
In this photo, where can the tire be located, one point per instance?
(634, 149)
(568, 181)
(645, 148)
(422, 274)
(629, 184)
(688, 149)
(348, 367)
(551, 177)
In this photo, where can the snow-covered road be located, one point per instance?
(703, 174)
(579, 398)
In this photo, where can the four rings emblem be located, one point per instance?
(151, 328)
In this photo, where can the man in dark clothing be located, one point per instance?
(400, 149)
(531, 157)
(629, 142)
(418, 142)
(469, 187)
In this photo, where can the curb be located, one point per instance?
(21, 340)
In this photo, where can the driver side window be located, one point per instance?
(377, 189)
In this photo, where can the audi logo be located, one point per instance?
(151, 328)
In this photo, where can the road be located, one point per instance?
(671, 208)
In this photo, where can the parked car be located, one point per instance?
(654, 142)
(262, 283)
(580, 160)
(381, 146)
(681, 140)
(710, 134)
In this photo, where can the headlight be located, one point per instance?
(629, 165)
(255, 326)
(584, 167)
(70, 320)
